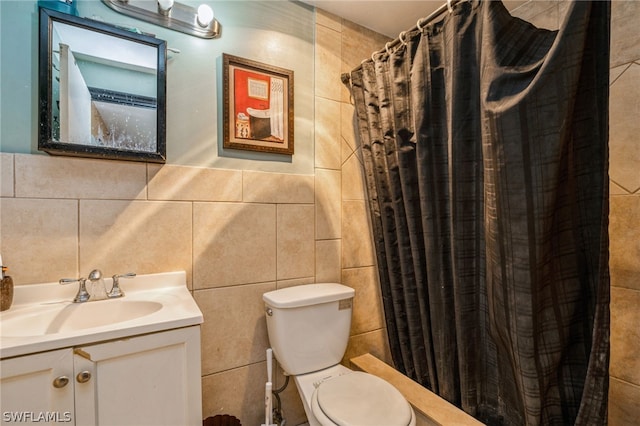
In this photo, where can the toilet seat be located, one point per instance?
(358, 399)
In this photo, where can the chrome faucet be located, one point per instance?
(97, 289)
(83, 294)
(115, 288)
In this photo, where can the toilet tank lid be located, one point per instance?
(308, 294)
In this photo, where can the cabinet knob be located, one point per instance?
(60, 382)
(83, 377)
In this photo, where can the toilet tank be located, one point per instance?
(309, 325)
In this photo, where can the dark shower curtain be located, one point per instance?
(484, 142)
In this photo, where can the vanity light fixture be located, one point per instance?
(198, 22)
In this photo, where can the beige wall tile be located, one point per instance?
(358, 43)
(39, 239)
(357, 246)
(624, 128)
(563, 8)
(328, 61)
(625, 37)
(542, 14)
(346, 151)
(625, 213)
(348, 126)
(615, 189)
(6, 175)
(295, 281)
(291, 400)
(373, 342)
(328, 20)
(624, 245)
(233, 243)
(624, 409)
(262, 187)
(328, 261)
(135, 236)
(234, 332)
(239, 392)
(168, 182)
(236, 392)
(328, 143)
(39, 176)
(296, 242)
(328, 220)
(625, 334)
(367, 304)
(616, 72)
(353, 184)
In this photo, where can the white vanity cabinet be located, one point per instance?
(151, 379)
(33, 386)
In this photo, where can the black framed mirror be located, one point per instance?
(102, 90)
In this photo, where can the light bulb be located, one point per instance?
(165, 5)
(205, 15)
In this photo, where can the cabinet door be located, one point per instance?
(147, 380)
(38, 389)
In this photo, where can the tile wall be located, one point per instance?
(237, 234)
(624, 229)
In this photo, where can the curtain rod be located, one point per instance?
(448, 6)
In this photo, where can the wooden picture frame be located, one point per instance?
(258, 106)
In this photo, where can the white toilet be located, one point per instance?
(308, 329)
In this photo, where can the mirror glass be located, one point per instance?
(102, 90)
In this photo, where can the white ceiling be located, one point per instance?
(388, 17)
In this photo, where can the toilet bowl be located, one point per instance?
(308, 330)
(339, 396)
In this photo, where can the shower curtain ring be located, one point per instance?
(386, 47)
(449, 6)
(418, 25)
(401, 38)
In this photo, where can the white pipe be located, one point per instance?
(268, 404)
(268, 389)
(269, 364)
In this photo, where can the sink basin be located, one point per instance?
(63, 318)
(43, 316)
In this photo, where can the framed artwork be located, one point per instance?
(258, 106)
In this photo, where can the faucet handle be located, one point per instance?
(83, 294)
(115, 289)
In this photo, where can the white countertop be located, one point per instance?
(167, 292)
